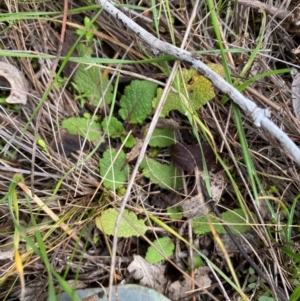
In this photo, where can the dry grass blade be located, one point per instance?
(64, 191)
(51, 214)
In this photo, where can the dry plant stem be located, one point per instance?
(219, 282)
(269, 9)
(278, 291)
(134, 173)
(192, 267)
(54, 66)
(135, 170)
(268, 242)
(259, 116)
(188, 29)
(51, 214)
(267, 101)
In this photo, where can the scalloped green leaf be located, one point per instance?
(164, 245)
(136, 103)
(84, 50)
(130, 142)
(200, 224)
(175, 212)
(197, 262)
(112, 169)
(83, 127)
(162, 138)
(113, 127)
(89, 83)
(130, 225)
(235, 219)
(196, 89)
(165, 176)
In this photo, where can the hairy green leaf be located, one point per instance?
(136, 101)
(130, 225)
(130, 142)
(235, 219)
(84, 51)
(200, 224)
(197, 262)
(162, 138)
(175, 212)
(164, 245)
(113, 127)
(89, 83)
(195, 88)
(83, 127)
(165, 176)
(112, 169)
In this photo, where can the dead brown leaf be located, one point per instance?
(179, 289)
(151, 275)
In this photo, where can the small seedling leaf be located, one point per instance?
(198, 262)
(112, 169)
(113, 127)
(165, 176)
(235, 219)
(164, 245)
(43, 145)
(130, 225)
(196, 89)
(175, 212)
(83, 127)
(87, 21)
(200, 224)
(162, 138)
(130, 142)
(136, 101)
(89, 83)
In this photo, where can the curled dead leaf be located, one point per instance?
(194, 206)
(188, 157)
(134, 153)
(197, 205)
(180, 288)
(150, 275)
(247, 241)
(17, 82)
(167, 123)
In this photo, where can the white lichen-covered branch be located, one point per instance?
(259, 116)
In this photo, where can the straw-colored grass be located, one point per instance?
(50, 216)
